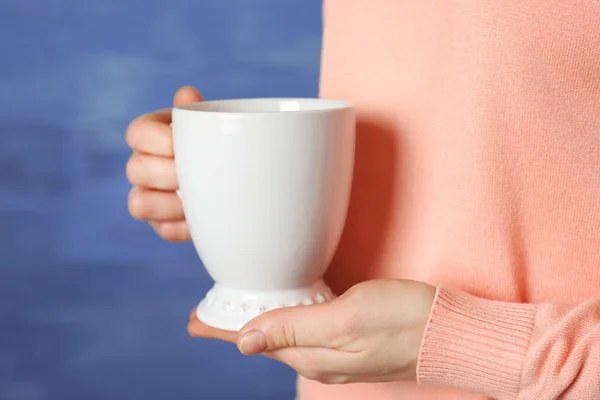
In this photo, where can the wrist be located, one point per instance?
(475, 344)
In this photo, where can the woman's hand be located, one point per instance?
(151, 171)
(372, 333)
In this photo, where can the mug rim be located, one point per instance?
(294, 105)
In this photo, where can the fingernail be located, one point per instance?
(253, 342)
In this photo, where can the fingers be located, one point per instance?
(173, 231)
(151, 134)
(315, 362)
(155, 205)
(186, 94)
(152, 172)
(304, 326)
(197, 328)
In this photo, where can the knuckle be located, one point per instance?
(182, 236)
(172, 232)
(160, 229)
(191, 329)
(168, 231)
(289, 334)
(146, 134)
(137, 205)
(134, 169)
(134, 132)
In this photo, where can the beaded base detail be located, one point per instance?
(230, 309)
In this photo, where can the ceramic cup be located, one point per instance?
(265, 185)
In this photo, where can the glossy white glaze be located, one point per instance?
(265, 185)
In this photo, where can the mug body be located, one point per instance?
(265, 186)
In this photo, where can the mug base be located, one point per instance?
(230, 309)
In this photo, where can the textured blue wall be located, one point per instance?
(92, 304)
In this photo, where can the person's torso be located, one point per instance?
(478, 151)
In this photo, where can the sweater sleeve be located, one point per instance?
(512, 351)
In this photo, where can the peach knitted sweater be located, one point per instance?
(478, 171)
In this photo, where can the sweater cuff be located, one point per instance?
(475, 344)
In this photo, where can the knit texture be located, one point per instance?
(478, 171)
(476, 344)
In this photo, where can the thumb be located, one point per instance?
(299, 326)
(186, 94)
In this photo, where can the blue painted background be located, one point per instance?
(93, 305)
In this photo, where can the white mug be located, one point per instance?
(265, 186)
